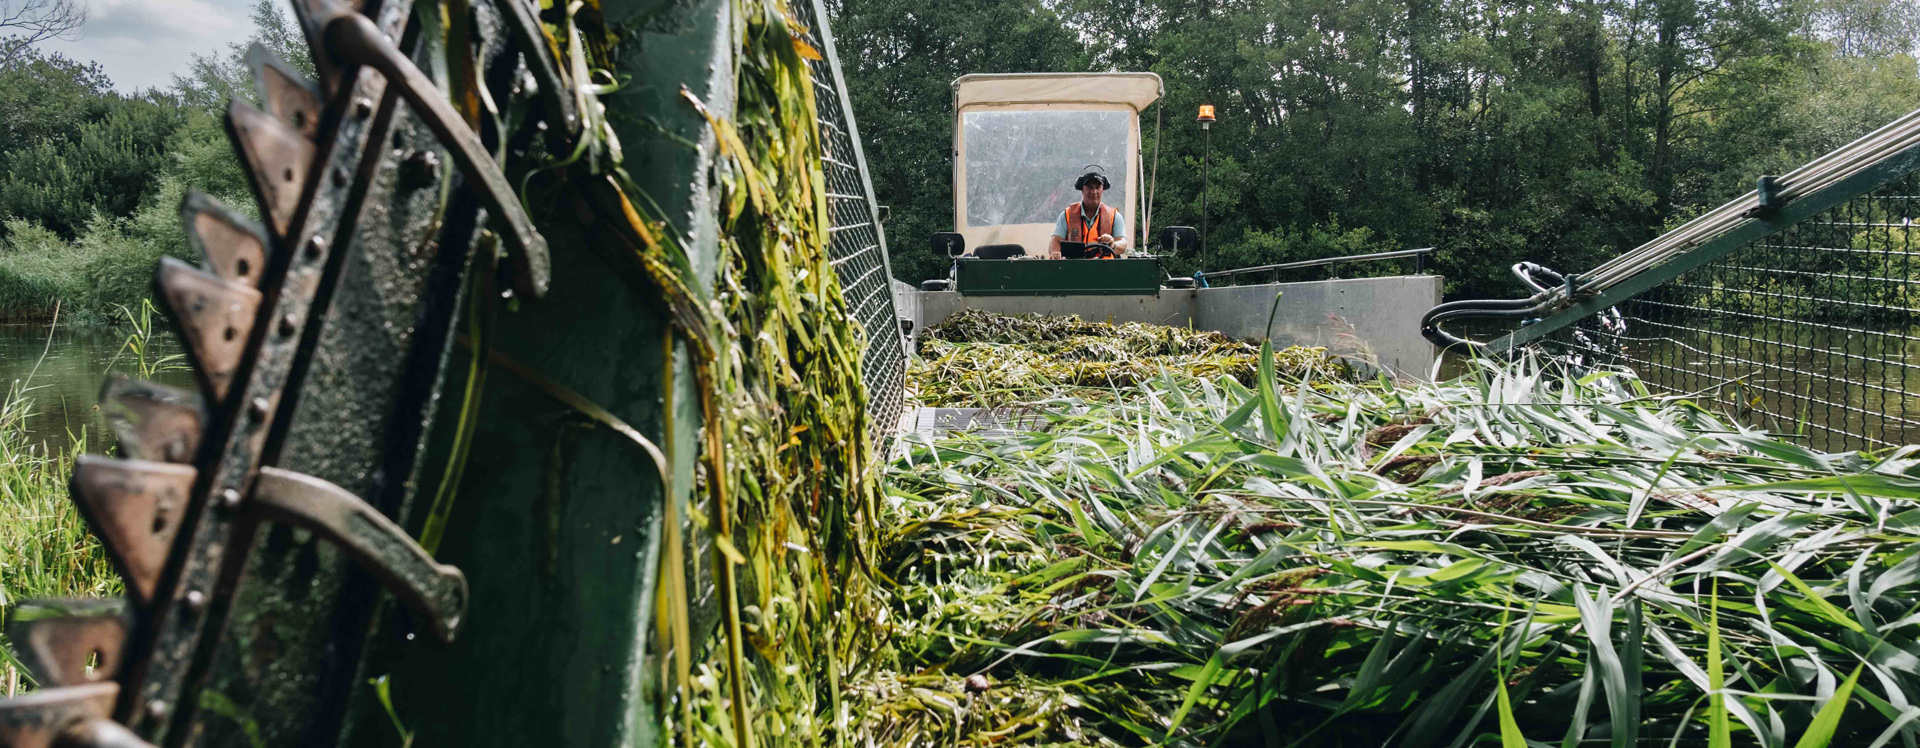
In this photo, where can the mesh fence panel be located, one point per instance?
(1810, 332)
(857, 246)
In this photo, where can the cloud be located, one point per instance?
(144, 43)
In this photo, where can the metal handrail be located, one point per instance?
(1395, 254)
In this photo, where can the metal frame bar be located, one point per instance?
(1394, 255)
(1744, 234)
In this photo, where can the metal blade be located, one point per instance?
(277, 158)
(436, 591)
(57, 638)
(287, 94)
(214, 316)
(153, 422)
(44, 718)
(235, 247)
(135, 506)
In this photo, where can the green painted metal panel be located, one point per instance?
(1024, 277)
(557, 521)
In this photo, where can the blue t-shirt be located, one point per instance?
(1119, 223)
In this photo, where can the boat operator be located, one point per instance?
(1090, 221)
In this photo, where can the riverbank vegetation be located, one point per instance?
(1524, 552)
(1561, 133)
(91, 178)
(46, 549)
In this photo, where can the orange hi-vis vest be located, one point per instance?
(1081, 230)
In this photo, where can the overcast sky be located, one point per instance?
(143, 43)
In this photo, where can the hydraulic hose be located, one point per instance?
(1531, 306)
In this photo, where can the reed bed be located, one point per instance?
(1522, 556)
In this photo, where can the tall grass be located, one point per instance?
(1522, 554)
(46, 549)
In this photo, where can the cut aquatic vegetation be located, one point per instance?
(1523, 554)
(985, 359)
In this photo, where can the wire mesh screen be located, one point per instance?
(857, 246)
(1810, 332)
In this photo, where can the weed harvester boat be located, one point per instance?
(1019, 141)
(436, 481)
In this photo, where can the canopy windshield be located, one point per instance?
(1021, 164)
(1022, 139)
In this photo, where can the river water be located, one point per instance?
(61, 370)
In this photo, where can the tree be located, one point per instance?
(215, 78)
(900, 57)
(102, 168)
(46, 96)
(26, 23)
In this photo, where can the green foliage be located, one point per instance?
(984, 359)
(101, 168)
(109, 267)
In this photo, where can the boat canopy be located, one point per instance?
(1020, 140)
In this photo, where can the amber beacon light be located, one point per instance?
(1206, 155)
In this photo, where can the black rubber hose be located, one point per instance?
(1430, 323)
(1526, 270)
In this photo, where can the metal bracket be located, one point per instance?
(57, 638)
(286, 94)
(436, 591)
(555, 92)
(1767, 191)
(355, 39)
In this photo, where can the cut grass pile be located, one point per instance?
(1520, 554)
(984, 359)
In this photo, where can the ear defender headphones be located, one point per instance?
(1091, 177)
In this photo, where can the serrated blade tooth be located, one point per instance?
(313, 17)
(153, 422)
(214, 316)
(277, 158)
(64, 716)
(57, 639)
(234, 246)
(136, 508)
(287, 94)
